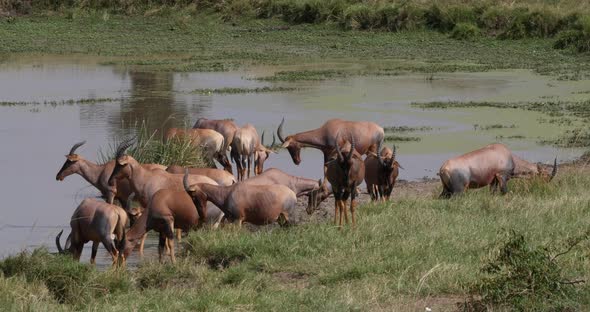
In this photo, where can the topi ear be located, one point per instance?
(395, 163)
(123, 160)
(73, 157)
(286, 144)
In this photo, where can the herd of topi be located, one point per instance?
(175, 199)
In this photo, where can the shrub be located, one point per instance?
(361, 16)
(523, 277)
(494, 20)
(446, 19)
(577, 38)
(464, 31)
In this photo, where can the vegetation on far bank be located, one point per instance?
(413, 250)
(462, 20)
(184, 36)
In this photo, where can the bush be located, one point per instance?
(464, 31)
(523, 277)
(577, 38)
(447, 18)
(361, 16)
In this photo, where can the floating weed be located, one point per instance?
(244, 90)
(492, 126)
(62, 102)
(407, 129)
(397, 138)
(305, 75)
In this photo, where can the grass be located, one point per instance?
(150, 148)
(205, 43)
(413, 249)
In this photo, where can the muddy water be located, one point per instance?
(35, 137)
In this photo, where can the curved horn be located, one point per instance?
(340, 157)
(379, 154)
(274, 140)
(394, 152)
(280, 131)
(59, 249)
(130, 200)
(185, 180)
(123, 147)
(262, 138)
(351, 149)
(554, 172)
(75, 147)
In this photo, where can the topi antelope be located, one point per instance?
(241, 202)
(211, 141)
(367, 136)
(98, 176)
(99, 222)
(315, 190)
(381, 171)
(226, 127)
(345, 173)
(247, 147)
(491, 165)
(222, 177)
(145, 182)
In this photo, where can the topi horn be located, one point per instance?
(75, 147)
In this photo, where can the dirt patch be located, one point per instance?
(292, 279)
(423, 188)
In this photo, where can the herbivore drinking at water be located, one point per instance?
(367, 136)
(345, 173)
(381, 171)
(241, 202)
(99, 222)
(170, 209)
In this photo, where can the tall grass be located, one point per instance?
(151, 148)
(400, 254)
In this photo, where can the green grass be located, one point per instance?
(205, 43)
(416, 248)
(150, 148)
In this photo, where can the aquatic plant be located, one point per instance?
(150, 148)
